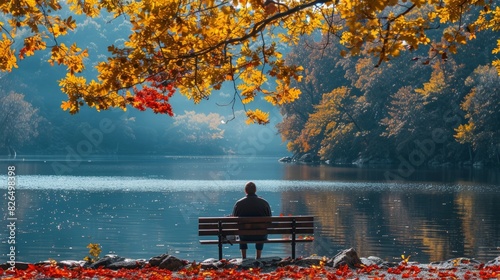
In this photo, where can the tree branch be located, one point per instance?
(258, 27)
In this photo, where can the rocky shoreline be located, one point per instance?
(345, 265)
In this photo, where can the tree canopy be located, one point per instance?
(193, 47)
(438, 113)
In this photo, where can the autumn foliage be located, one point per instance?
(351, 111)
(195, 47)
(155, 96)
(194, 271)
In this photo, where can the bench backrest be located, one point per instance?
(208, 226)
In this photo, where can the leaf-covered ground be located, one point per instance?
(463, 269)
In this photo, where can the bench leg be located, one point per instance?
(220, 240)
(220, 251)
(293, 239)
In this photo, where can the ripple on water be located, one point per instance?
(140, 184)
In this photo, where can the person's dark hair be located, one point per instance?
(250, 188)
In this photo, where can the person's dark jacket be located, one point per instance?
(252, 206)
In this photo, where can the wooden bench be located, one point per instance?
(291, 229)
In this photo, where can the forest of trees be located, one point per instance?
(415, 109)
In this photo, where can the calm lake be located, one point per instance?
(143, 207)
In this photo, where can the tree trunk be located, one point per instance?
(11, 152)
(498, 153)
(471, 154)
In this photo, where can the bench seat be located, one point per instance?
(291, 229)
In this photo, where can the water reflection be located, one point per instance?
(428, 225)
(370, 174)
(140, 209)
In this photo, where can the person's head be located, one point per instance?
(250, 188)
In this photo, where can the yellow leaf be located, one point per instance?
(66, 105)
(7, 58)
(257, 117)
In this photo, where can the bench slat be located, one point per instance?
(214, 232)
(273, 240)
(254, 219)
(256, 226)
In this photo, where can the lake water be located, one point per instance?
(143, 207)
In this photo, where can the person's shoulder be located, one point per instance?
(263, 199)
(240, 200)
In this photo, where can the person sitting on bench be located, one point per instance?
(251, 206)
